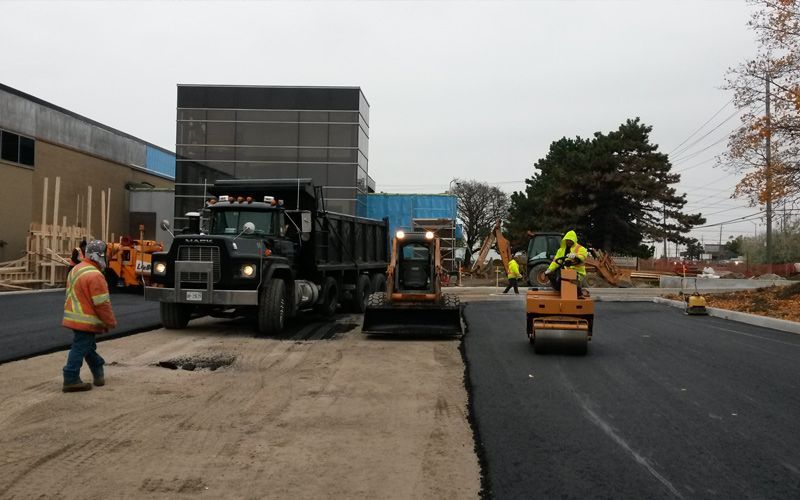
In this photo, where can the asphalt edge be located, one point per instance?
(480, 451)
(781, 325)
(28, 292)
(66, 347)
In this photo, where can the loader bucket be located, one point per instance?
(567, 336)
(415, 319)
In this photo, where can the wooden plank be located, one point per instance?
(103, 215)
(108, 213)
(89, 213)
(55, 226)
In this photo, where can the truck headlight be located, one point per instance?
(248, 270)
(160, 268)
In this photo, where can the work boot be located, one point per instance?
(78, 386)
(99, 378)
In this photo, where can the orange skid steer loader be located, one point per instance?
(560, 320)
(413, 303)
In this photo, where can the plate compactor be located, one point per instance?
(560, 319)
(413, 303)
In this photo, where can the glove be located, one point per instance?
(572, 256)
(548, 272)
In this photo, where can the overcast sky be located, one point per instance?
(473, 90)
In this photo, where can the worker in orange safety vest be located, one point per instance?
(87, 312)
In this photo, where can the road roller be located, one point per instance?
(560, 319)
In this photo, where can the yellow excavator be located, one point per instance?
(413, 302)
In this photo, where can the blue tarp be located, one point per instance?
(159, 161)
(400, 209)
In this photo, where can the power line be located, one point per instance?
(700, 139)
(701, 126)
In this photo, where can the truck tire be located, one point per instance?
(379, 282)
(361, 294)
(451, 301)
(536, 276)
(175, 316)
(377, 299)
(330, 298)
(272, 308)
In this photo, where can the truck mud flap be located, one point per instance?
(422, 320)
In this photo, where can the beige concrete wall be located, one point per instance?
(15, 209)
(77, 171)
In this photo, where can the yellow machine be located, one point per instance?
(560, 319)
(129, 261)
(413, 302)
(695, 303)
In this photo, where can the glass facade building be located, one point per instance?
(255, 132)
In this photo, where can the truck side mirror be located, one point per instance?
(249, 228)
(165, 225)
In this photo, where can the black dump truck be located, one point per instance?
(269, 249)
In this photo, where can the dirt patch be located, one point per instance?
(210, 361)
(355, 418)
(782, 302)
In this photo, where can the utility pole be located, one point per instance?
(665, 232)
(768, 175)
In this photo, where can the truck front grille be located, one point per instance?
(199, 254)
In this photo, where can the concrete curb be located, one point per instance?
(747, 318)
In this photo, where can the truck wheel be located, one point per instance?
(377, 299)
(175, 316)
(379, 282)
(330, 298)
(536, 276)
(361, 294)
(272, 308)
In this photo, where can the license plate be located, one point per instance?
(196, 296)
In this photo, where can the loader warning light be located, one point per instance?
(400, 235)
(429, 235)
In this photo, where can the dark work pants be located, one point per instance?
(512, 282)
(83, 348)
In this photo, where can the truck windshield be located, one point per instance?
(233, 221)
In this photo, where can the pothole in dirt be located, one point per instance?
(198, 362)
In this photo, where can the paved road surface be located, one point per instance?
(31, 323)
(663, 406)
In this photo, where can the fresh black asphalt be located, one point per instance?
(30, 324)
(663, 406)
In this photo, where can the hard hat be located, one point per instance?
(96, 252)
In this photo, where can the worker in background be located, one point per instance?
(576, 256)
(77, 254)
(87, 312)
(513, 276)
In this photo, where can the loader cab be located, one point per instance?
(543, 246)
(416, 266)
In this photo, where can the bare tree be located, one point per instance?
(479, 206)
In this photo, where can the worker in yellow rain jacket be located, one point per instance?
(87, 312)
(575, 256)
(513, 276)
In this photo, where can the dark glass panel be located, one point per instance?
(313, 134)
(191, 114)
(343, 135)
(192, 132)
(363, 142)
(314, 116)
(361, 180)
(266, 116)
(343, 155)
(191, 152)
(221, 114)
(266, 134)
(362, 162)
(26, 151)
(312, 154)
(9, 149)
(317, 173)
(222, 133)
(343, 116)
(341, 175)
(266, 154)
(266, 171)
(220, 153)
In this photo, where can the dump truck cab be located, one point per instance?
(268, 256)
